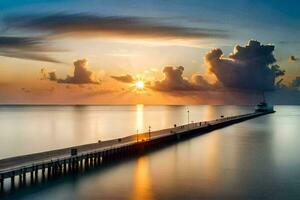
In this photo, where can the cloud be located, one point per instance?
(29, 48)
(292, 59)
(124, 78)
(199, 82)
(174, 81)
(81, 74)
(84, 25)
(46, 75)
(247, 67)
(52, 76)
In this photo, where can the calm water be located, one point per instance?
(257, 159)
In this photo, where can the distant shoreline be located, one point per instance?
(3, 105)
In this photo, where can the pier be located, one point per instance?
(78, 158)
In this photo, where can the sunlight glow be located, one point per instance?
(139, 84)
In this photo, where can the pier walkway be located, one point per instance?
(61, 161)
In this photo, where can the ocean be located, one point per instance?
(256, 159)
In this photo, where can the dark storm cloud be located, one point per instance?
(81, 74)
(174, 81)
(124, 78)
(247, 67)
(85, 25)
(25, 48)
(20, 42)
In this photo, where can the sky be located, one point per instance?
(149, 52)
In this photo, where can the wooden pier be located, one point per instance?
(78, 158)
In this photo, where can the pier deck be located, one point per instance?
(61, 160)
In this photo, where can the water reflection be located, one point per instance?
(42, 128)
(139, 118)
(212, 158)
(256, 159)
(142, 181)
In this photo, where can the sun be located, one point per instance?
(139, 84)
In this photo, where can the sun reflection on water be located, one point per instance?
(142, 183)
(139, 118)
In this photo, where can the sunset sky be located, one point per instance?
(151, 52)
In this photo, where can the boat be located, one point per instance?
(264, 106)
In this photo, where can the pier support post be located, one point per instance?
(36, 172)
(65, 167)
(1, 183)
(80, 163)
(49, 171)
(20, 179)
(102, 156)
(43, 171)
(54, 169)
(93, 159)
(31, 175)
(69, 165)
(72, 165)
(75, 164)
(85, 162)
(108, 155)
(178, 136)
(12, 180)
(112, 153)
(99, 158)
(88, 161)
(59, 168)
(24, 176)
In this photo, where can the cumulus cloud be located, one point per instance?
(30, 48)
(292, 59)
(52, 76)
(248, 67)
(46, 75)
(199, 82)
(174, 81)
(124, 78)
(81, 74)
(91, 25)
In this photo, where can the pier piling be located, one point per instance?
(1, 183)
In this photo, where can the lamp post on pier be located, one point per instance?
(188, 117)
(137, 135)
(149, 132)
